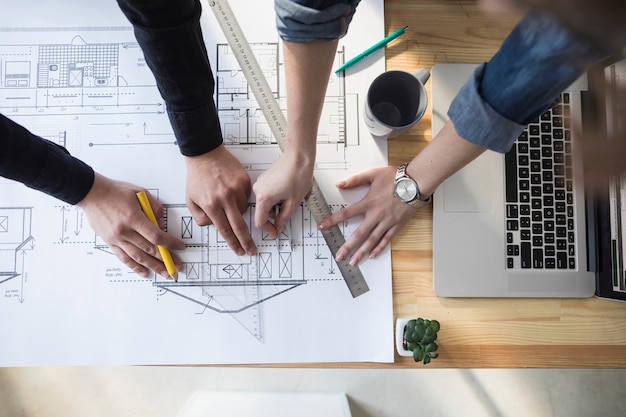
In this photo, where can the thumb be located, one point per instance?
(364, 178)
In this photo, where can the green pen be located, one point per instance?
(371, 49)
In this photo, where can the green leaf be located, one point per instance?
(431, 347)
(434, 324)
(418, 353)
(427, 360)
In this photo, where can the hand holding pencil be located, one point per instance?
(112, 211)
(165, 253)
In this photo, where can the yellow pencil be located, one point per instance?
(165, 252)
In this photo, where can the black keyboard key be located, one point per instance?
(510, 163)
(537, 258)
(533, 130)
(558, 146)
(557, 134)
(522, 160)
(512, 250)
(524, 185)
(512, 211)
(525, 255)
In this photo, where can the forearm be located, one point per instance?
(307, 69)
(537, 61)
(443, 156)
(41, 164)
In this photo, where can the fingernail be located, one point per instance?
(241, 252)
(339, 256)
(321, 226)
(340, 184)
(353, 261)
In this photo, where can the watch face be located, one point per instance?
(406, 189)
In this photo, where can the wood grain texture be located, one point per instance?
(481, 332)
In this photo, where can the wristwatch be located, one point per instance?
(406, 190)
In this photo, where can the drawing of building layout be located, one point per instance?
(15, 242)
(86, 87)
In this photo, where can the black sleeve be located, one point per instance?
(170, 36)
(41, 164)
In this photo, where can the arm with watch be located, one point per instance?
(396, 192)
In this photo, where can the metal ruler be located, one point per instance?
(278, 124)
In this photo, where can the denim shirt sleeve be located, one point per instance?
(309, 20)
(536, 62)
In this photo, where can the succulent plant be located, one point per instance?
(419, 337)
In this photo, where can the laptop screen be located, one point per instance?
(608, 207)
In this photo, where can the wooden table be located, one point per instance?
(478, 333)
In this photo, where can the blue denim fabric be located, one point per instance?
(536, 62)
(309, 20)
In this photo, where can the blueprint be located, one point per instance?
(75, 75)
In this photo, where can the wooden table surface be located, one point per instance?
(480, 332)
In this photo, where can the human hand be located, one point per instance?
(217, 193)
(113, 211)
(286, 182)
(384, 215)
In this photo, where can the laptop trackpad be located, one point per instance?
(472, 189)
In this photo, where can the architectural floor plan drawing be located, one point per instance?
(80, 80)
(16, 241)
(218, 279)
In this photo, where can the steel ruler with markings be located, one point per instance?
(275, 118)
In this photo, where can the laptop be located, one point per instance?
(534, 235)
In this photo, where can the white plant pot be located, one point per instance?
(400, 323)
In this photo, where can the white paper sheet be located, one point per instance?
(75, 75)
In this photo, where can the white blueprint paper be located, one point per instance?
(73, 73)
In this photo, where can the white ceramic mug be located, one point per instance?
(396, 100)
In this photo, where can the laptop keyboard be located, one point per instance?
(540, 227)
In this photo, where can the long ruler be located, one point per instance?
(274, 116)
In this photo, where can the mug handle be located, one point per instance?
(422, 75)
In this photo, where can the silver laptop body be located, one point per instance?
(470, 247)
